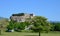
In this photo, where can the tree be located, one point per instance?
(18, 26)
(55, 26)
(10, 26)
(40, 23)
(0, 28)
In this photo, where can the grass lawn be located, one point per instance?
(29, 34)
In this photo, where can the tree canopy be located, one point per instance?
(41, 23)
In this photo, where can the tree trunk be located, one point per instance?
(39, 33)
(0, 32)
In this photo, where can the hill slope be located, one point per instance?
(3, 21)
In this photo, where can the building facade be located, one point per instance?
(21, 17)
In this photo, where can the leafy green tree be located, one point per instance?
(19, 26)
(40, 23)
(10, 26)
(22, 25)
(57, 27)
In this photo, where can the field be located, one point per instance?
(29, 34)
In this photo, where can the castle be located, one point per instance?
(21, 17)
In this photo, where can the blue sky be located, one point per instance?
(47, 8)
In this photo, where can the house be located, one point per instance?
(21, 17)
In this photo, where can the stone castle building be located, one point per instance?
(21, 17)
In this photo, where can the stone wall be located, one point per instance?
(21, 18)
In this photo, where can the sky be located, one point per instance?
(47, 8)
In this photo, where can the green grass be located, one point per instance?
(29, 34)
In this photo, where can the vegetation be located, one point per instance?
(55, 26)
(40, 24)
(19, 26)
